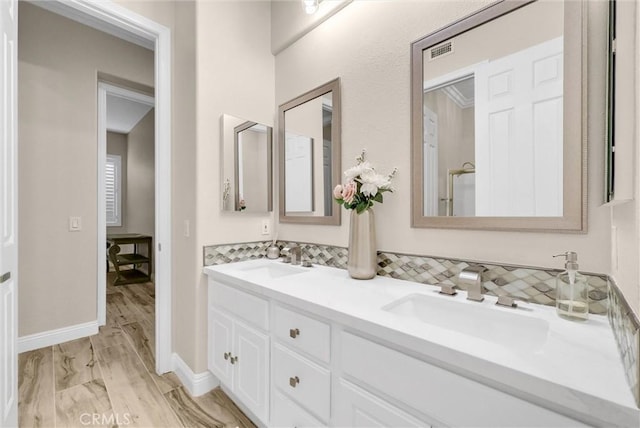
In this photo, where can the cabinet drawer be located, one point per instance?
(248, 307)
(438, 393)
(286, 413)
(312, 387)
(303, 333)
(355, 407)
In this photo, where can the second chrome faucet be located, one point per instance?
(471, 279)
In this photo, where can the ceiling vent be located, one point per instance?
(445, 48)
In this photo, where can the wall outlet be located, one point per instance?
(266, 227)
(75, 224)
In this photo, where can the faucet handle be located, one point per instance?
(509, 302)
(448, 289)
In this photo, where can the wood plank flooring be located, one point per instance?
(109, 379)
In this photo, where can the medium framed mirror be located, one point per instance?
(498, 120)
(309, 156)
(246, 153)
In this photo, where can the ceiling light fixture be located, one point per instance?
(310, 6)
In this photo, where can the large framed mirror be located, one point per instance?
(309, 153)
(498, 120)
(246, 165)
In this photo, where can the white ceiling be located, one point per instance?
(124, 114)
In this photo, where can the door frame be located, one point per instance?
(105, 89)
(119, 21)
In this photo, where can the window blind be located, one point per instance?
(113, 182)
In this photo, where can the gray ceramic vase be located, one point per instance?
(362, 261)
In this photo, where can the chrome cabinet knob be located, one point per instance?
(294, 332)
(293, 381)
(234, 360)
(227, 355)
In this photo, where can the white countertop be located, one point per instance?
(576, 371)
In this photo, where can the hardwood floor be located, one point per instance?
(109, 379)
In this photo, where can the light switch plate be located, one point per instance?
(75, 224)
(266, 227)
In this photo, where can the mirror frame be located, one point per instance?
(336, 151)
(236, 144)
(574, 217)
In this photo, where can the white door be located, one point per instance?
(220, 351)
(430, 153)
(8, 216)
(519, 112)
(251, 383)
(299, 173)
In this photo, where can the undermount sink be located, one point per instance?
(272, 269)
(509, 329)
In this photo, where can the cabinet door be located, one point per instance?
(355, 407)
(251, 383)
(220, 351)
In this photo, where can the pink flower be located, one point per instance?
(337, 192)
(349, 192)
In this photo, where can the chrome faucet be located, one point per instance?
(471, 277)
(295, 252)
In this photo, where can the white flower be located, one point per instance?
(358, 170)
(372, 181)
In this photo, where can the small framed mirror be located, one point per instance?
(309, 154)
(246, 165)
(498, 122)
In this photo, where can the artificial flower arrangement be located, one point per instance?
(363, 186)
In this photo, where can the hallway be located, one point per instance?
(109, 379)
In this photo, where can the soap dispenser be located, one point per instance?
(572, 290)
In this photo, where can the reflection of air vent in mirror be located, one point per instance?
(445, 48)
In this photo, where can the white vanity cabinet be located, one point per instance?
(448, 398)
(290, 360)
(356, 407)
(300, 368)
(238, 352)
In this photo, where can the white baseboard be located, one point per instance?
(54, 337)
(196, 383)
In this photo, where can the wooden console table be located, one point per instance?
(135, 259)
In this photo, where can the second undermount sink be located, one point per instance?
(509, 329)
(273, 269)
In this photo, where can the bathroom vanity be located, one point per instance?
(301, 346)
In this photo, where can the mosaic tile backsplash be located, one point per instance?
(535, 285)
(626, 328)
(530, 284)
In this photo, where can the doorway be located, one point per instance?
(118, 21)
(126, 187)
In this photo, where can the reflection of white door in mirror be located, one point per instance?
(298, 173)
(430, 163)
(505, 116)
(518, 145)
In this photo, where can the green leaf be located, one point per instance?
(361, 207)
(378, 197)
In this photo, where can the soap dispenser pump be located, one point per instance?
(572, 290)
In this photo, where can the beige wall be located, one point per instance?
(140, 205)
(235, 75)
(536, 23)
(375, 76)
(58, 65)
